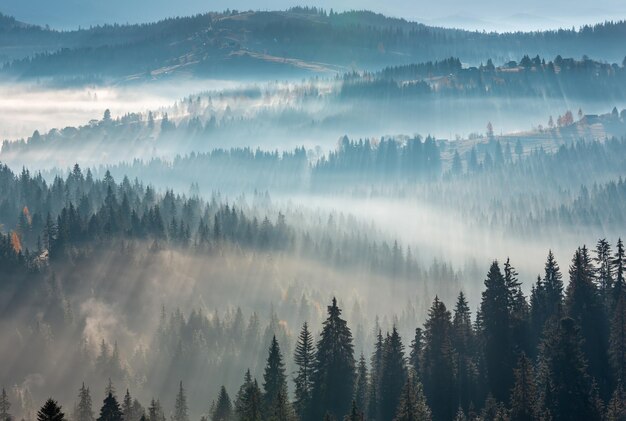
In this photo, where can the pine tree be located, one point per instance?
(180, 407)
(412, 406)
(360, 392)
(110, 410)
(155, 411)
(127, 407)
(553, 281)
(274, 377)
(304, 358)
(604, 272)
(496, 323)
(518, 311)
(5, 407)
(223, 410)
(84, 411)
(250, 406)
(524, 394)
(242, 393)
(584, 306)
(393, 376)
(415, 356)
(438, 363)
(333, 383)
(373, 400)
(566, 387)
(50, 411)
(463, 343)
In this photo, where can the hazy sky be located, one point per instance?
(480, 14)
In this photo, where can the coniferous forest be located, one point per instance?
(312, 214)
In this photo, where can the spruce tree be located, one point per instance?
(304, 358)
(127, 407)
(50, 411)
(496, 323)
(360, 392)
(415, 355)
(393, 376)
(274, 377)
(242, 394)
(333, 383)
(553, 281)
(604, 272)
(438, 363)
(84, 411)
(180, 407)
(223, 407)
(584, 306)
(250, 407)
(463, 343)
(110, 410)
(373, 400)
(524, 395)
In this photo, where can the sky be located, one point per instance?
(488, 15)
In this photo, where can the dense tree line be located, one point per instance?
(73, 217)
(558, 354)
(530, 77)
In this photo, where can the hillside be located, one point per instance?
(275, 43)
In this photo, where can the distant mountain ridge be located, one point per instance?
(274, 43)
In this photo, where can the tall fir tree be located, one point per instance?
(84, 411)
(496, 332)
(110, 410)
(438, 363)
(50, 411)
(304, 357)
(180, 407)
(360, 391)
(415, 355)
(585, 307)
(223, 410)
(335, 369)
(394, 375)
(604, 272)
(274, 377)
(127, 407)
(462, 342)
(250, 408)
(373, 399)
